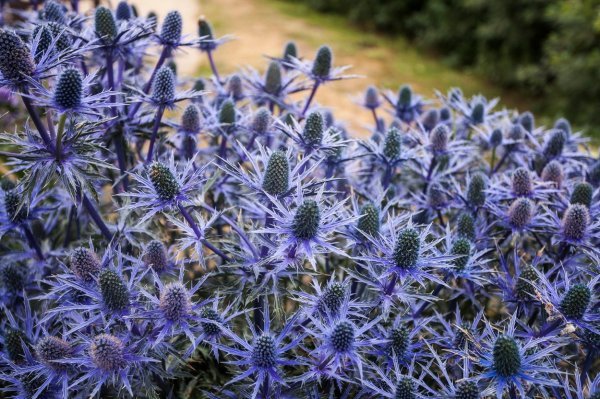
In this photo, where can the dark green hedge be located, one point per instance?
(548, 48)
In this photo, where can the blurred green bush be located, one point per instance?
(547, 48)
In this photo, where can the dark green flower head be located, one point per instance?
(114, 290)
(261, 121)
(12, 277)
(13, 344)
(69, 89)
(439, 138)
(405, 389)
(105, 24)
(290, 51)
(163, 180)
(322, 64)
(369, 220)
(507, 358)
(171, 28)
(276, 180)
(555, 144)
(563, 125)
(273, 78)
(399, 340)
(123, 11)
(436, 196)
(524, 288)
(235, 87)
(314, 128)
(332, 299)
(407, 249)
(85, 265)
(54, 12)
(462, 248)
(466, 226)
(575, 222)
(190, 119)
(467, 390)
(199, 85)
(163, 86)
(527, 120)
(227, 113)
(372, 97)
(582, 194)
(404, 97)
(342, 337)
(576, 301)
(445, 114)
(264, 353)
(15, 58)
(16, 211)
(44, 36)
(476, 194)
(496, 138)
(430, 119)
(206, 34)
(306, 220)
(478, 114)
(392, 147)
(209, 313)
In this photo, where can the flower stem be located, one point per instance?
(32, 241)
(59, 134)
(37, 121)
(213, 67)
(198, 234)
(310, 98)
(91, 209)
(157, 119)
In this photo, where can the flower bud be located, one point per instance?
(553, 172)
(399, 340)
(314, 128)
(521, 182)
(155, 256)
(594, 174)
(15, 58)
(261, 121)
(478, 114)
(273, 79)
(44, 40)
(123, 11)
(85, 264)
(164, 182)
(114, 290)
(69, 89)
(264, 352)
(12, 278)
(331, 299)
(163, 86)
(54, 12)
(108, 352)
(306, 220)
(175, 302)
(575, 222)
(461, 248)
(105, 25)
(467, 390)
(235, 87)
(520, 213)
(210, 329)
(563, 125)
(392, 146)
(430, 119)
(369, 220)
(582, 194)
(171, 28)
(576, 301)
(527, 120)
(439, 138)
(436, 196)
(227, 113)
(466, 226)
(372, 98)
(516, 132)
(496, 138)
(405, 389)
(476, 194)
(190, 120)
(322, 64)
(555, 144)
(15, 211)
(276, 179)
(407, 250)
(290, 51)
(404, 97)
(342, 337)
(14, 339)
(49, 350)
(524, 287)
(507, 358)
(206, 35)
(445, 114)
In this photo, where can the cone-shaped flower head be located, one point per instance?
(576, 301)
(85, 264)
(507, 358)
(276, 180)
(114, 291)
(524, 288)
(439, 138)
(392, 146)
(44, 36)
(190, 119)
(314, 128)
(516, 132)
(520, 213)
(54, 12)
(306, 220)
(467, 390)
(466, 226)
(227, 113)
(13, 344)
(553, 172)
(273, 78)
(290, 51)
(164, 182)
(235, 87)
(12, 278)
(108, 352)
(12, 205)
(261, 121)
(206, 34)
(209, 313)
(445, 114)
(342, 337)
(332, 298)
(163, 86)
(496, 138)
(521, 182)
(322, 64)
(171, 28)
(575, 222)
(478, 114)
(50, 349)
(476, 190)
(563, 125)
(555, 144)
(372, 97)
(105, 24)
(155, 256)
(123, 11)
(175, 302)
(399, 340)
(436, 196)
(527, 120)
(582, 194)
(369, 220)
(407, 249)
(405, 389)
(461, 248)
(69, 89)
(430, 119)
(264, 352)
(404, 97)
(15, 58)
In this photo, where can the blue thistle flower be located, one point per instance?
(277, 174)
(522, 185)
(575, 222)
(273, 82)
(582, 194)
(105, 25)
(85, 264)
(155, 256)
(465, 227)
(527, 120)
(123, 11)
(54, 12)
(16, 61)
(476, 190)
(190, 119)
(170, 33)
(553, 172)
(314, 129)
(163, 86)
(115, 293)
(520, 213)
(261, 121)
(321, 67)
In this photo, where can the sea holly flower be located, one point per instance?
(400, 383)
(406, 106)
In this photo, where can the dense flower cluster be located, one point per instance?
(227, 237)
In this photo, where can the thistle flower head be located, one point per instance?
(466, 226)
(54, 12)
(314, 128)
(108, 352)
(478, 113)
(398, 341)
(114, 290)
(61, 35)
(575, 222)
(576, 301)
(164, 182)
(322, 64)
(516, 132)
(14, 339)
(407, 249)
(527, 120)
(261, 121)
(171, 28)
(369, 220)
(273, 78)
(496, 138)
(582, 194)
(393, 144)
(16, 60)
(69, 89)
(522, 185)
(209, 313)
(50, 349)
(520, 213)
(430, 119)
(206, 35)
(12, 204)
(372, 98)
(553, 172)
(44, 37)
(264, 352)
(290, 51)
(405, 389)
(85, 264)
(12, 278)
(175, 301)
(439, 138)
(155, 256)
(524, 287)
(461, 248)
(306, 220)
(163, 86)
(563, 125)
(235, 87)
(467, 390)
(507, 357)
(555, 144)
(476, 194)
(190, 119)
(227, 113)
(342, 337)
(404, 97)
(276, 179)
(436, 196)
(105, 24)
(332, 298)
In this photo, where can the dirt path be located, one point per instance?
(264, 26)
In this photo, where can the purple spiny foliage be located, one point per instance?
(227, 237)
